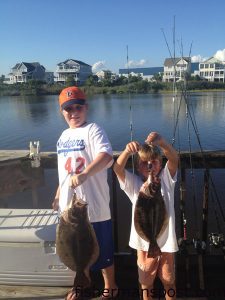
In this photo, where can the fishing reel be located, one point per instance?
(183, 245)
(199, 245)
(216, 240)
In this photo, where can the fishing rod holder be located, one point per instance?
(35, 156)
(216, 240)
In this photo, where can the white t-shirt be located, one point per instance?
(77, 148)
(167, 241)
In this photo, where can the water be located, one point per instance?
(30, 118)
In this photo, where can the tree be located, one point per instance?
(157, 77)
(2, 78)
(70, 81)
(92, 80)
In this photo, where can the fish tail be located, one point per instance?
(81, 280)
(153, 250)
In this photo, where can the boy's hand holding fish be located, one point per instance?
(77, 180)
(132, 147)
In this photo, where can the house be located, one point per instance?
(176, 68)
(49, 77)
(79, 70)
(23, 72)
(145, 73)
(212, 69)
(106, 74)
(194, 69)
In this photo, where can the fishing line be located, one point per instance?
(192, 169)
(215, 212)
(187, 104)
(130, 108)
(184, 94)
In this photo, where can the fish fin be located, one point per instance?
(153, 249)
(82, 280)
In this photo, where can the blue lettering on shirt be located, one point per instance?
(70, 146)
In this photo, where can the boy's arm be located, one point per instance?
(119, 165)
(99, 163)
(55, 203)
(168, 150)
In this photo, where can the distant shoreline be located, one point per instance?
(26, 90)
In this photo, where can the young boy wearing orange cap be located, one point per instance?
(84, 155)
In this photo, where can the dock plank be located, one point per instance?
(6, 155)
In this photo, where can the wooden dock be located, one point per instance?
(127, 280)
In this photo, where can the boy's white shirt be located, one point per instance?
(167, 241)
(77, 148)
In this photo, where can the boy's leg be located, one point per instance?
(147, 270)
(103, 231)
(166, 274)
(110, 287)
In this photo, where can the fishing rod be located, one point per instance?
(215, 239)
(182, 242)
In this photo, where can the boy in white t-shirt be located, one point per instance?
(163, 264)
(84, 155)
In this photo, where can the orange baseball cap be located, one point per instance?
(71, 95)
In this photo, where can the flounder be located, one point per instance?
(76, 242)
(150, 216)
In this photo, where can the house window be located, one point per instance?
(201, 66)
(211, 66)
(206, 66)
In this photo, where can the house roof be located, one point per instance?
(169, 62)
(212, 60)
(30, 66)
(144, 71)
(73, 60)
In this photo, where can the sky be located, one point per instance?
(99, 32)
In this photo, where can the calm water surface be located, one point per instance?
(30, 118)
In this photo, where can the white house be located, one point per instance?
(106, 74)
(145, 73)
(212, 69)
(79, 70)
(176, 68)
(23, 72)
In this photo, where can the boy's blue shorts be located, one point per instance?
(103, 231)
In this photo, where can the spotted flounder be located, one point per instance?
(76, 242)
(150, 216)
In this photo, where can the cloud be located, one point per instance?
(220, 54)
(134, 64)
(198, 58)
(98, 66)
